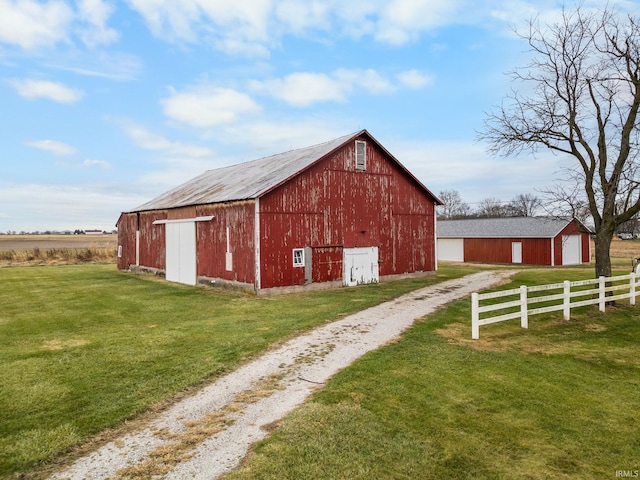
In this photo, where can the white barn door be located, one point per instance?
(181, 252)
(516, 252)
(360, 266)
(571, 250)
(451, 249)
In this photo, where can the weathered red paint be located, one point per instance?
(333, 204)
(324, 209)
(535, 251)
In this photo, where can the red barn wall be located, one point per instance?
(332, 206)
(572, 229)
(535, 251)
(211, 241)
(127, 226)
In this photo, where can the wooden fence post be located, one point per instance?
(475, 317)
(524, 314)
(601, 293)
(632, 289)
(566, 300)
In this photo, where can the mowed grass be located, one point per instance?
(84, 348)
(560, 400)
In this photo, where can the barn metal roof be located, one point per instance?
(511, 227)
(252, 179)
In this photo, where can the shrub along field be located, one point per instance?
(86, 350)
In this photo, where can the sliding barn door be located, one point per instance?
(181, 252)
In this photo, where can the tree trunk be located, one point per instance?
(603, 239)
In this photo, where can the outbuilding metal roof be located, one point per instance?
(511, 227)
(251, 179)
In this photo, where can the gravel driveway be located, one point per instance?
(209, 433)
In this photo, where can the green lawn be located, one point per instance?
(84, 348)
(559, 400)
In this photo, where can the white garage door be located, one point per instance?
(181, 252)
(571, 250)
(451, 249)
(360, 266)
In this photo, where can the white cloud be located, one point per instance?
(151, 141)
(415, 79)
(31, 207)
(208, 106)
(96, 163)
(467, 167)
(52, 146)
(31, 24)
(253, 27)
(55, 91)
(96, 13)
(302, 89)
(232, 26)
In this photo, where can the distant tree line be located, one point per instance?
(523, 205)
(557, 202)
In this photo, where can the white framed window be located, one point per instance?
(298, 257)
(361, 155)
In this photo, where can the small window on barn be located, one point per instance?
(361, 155)
(298, 257)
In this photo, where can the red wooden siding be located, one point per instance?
(535, 251)
(211, 241)
(127, 226)
(152, 239)
(572, 229)
(333, 206)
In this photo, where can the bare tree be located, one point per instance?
(581, 99)
(567, 201)
(492, 208)
(454, 206)
(525, 205)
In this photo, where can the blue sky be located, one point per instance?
(107, 104)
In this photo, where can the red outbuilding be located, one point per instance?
(525, 240)
(345, 211)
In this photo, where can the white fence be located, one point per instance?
(568, 295)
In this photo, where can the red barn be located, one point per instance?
(345, 211)
(525, 240)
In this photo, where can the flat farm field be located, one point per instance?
(22, 250)
(44, 242)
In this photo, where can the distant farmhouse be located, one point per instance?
(520, 240)
(344, 212)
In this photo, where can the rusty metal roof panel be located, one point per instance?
(245, 180)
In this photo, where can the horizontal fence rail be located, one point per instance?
(526, 301)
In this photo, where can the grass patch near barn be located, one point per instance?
(85, 347)
(559, 400)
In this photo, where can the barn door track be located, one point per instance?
(207, 434)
